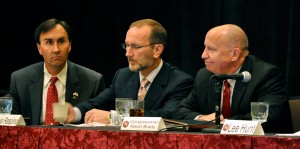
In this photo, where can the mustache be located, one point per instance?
(130, 59)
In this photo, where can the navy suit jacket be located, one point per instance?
(168, 88)
(26, 87)
(266, 85)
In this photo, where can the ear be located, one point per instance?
(157, 50)
(39, 48)
(70, 47)
(236, 52)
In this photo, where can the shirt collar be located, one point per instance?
(62, 75)
(232, 81)
(152, 75)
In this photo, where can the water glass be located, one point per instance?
(123, 106)
(60, 112)
(259, 111)
(6, 105)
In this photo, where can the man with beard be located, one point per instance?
(145, 41)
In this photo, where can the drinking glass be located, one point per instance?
(6, 105)
(123, 105)
(60, 112)
(259, 111)
(138, 108)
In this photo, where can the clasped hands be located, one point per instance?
(94, 115)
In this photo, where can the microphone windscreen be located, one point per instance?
(247, 76)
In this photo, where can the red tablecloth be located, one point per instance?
(52, 137)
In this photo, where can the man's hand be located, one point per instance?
(96, 115)
(210, 117)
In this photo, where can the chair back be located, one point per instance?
(294, 103)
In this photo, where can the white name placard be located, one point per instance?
(11, 120)
(242, 127)
(143, 123)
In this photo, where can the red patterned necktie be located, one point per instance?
(52, 97)
(142, 91)
(226, 100)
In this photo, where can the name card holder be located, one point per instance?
(242, 127)
(11, 120)
(143, 123)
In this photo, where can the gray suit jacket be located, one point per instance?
(26, 87)
(266, 85)
(168, 88)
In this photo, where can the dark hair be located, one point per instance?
(48, 25)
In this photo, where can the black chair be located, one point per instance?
(294, 103)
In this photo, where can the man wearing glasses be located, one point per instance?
(145, 41)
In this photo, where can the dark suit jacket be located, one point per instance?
(266, 85)
(168, 88)
(26, 87)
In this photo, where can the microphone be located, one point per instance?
(244, 76)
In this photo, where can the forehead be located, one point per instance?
(215, 38)
(138, 34)
(57, 32)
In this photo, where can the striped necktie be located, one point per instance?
(143, 89)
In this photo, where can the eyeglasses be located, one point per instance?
(133, 46)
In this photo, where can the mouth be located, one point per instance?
(206, 62)
(56, 58)
(131, 60)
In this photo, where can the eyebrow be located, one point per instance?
(53, 39)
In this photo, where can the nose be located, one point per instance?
(56, 48)
(204, 54)
(128, 52)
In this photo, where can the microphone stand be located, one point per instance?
(218, 88)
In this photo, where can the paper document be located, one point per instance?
(291, 134)
(93, 124)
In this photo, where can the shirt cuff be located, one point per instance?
(77, 115)
(197, 117)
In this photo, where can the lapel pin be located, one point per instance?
(75, 95)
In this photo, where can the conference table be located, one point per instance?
(107, 137)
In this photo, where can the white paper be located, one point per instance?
(93, 124)
(290, 134)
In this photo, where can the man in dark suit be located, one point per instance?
(75, 83)
(145, 41)
(226, 52)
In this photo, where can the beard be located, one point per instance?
(140, 65)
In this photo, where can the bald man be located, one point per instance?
(226, 52)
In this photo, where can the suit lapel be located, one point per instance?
(36, 95)
(157, 87)
(240, 88)
(211, 96)
(238, 93)
(132, 87)
(72, 87)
